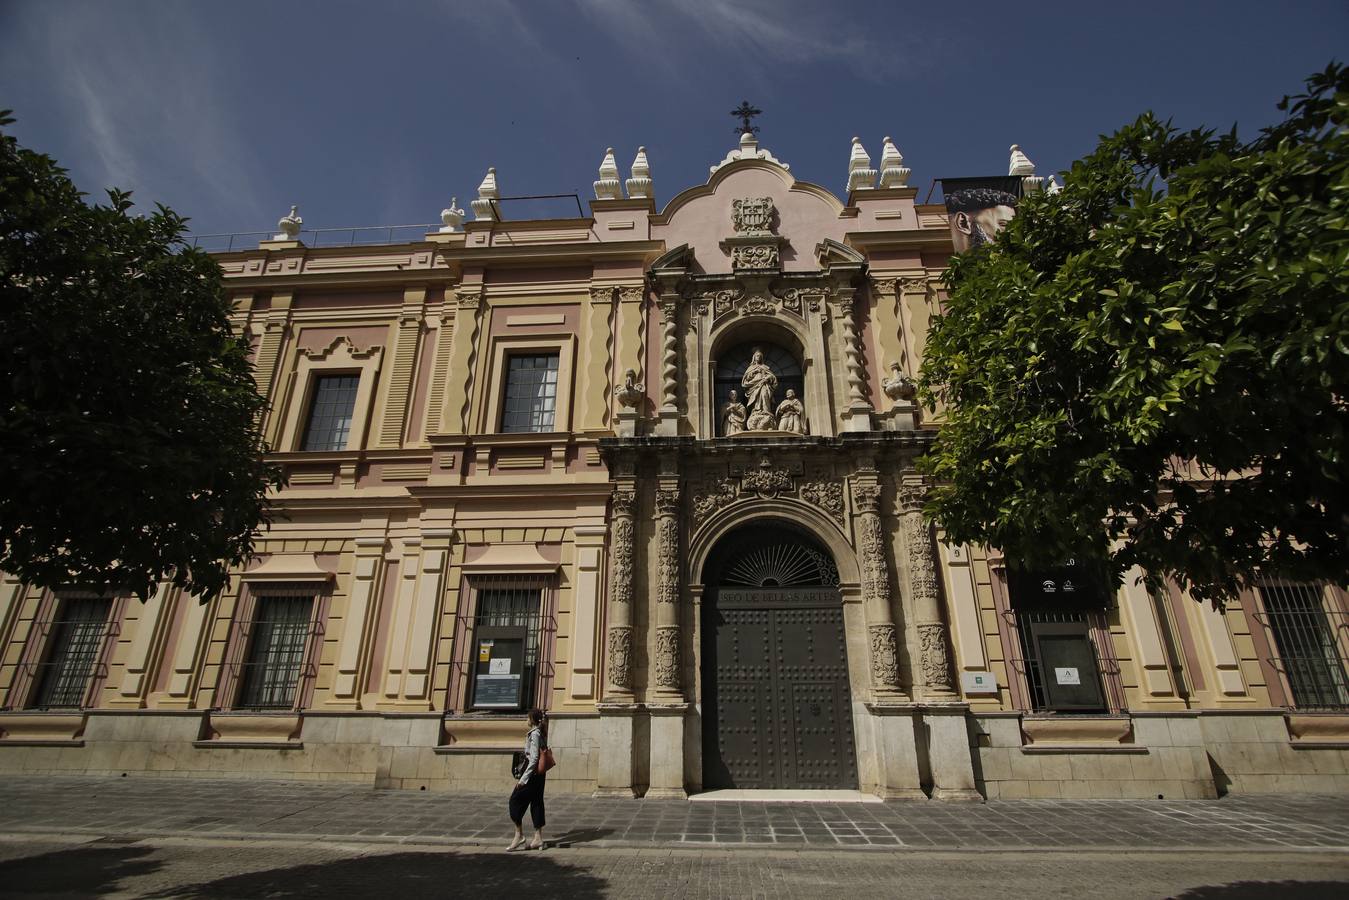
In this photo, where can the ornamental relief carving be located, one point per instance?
(667, 657)
(884, 656)
(668, 562)
(620, 657)
(936, 662)
(922, 567)
(622, 533)
(827, 495)
(767, 481)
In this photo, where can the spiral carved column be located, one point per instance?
(932, 632)
(858, 410)
(881, 630)
(668, 414)
(621, 567)
(668, 677)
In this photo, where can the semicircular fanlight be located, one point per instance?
(782, 565)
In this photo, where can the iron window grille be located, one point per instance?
(531, 393)
(1309, 640)
(331, 409)
(1036, 629)
(280, 642)
(74, 654)
(505, 607)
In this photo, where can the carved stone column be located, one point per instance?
(621, 527)
(668, 415)
(936, 659)
(857, 415)
(668, 676)
(881, 632)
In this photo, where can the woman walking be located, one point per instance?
(530, 783)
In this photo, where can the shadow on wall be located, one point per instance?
(88, 872)
(1260, 890)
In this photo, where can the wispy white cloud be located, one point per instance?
(153, 95)
(773, 33)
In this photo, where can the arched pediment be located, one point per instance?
(810, 517)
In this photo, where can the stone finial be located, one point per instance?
(898, 386)
(608, 187)
(861, 176)
(451, 217)
(893, 171)
(487, 192)
(1020, 164)
(639, 185)
(1053, 187)
(290, 226)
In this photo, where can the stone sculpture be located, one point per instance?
(759, 383)
(791, 414)
(733, 415)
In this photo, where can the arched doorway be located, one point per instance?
(777, 709)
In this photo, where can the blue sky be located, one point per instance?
(376, 113)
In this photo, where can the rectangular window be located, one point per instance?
(1062, 671)
(76, 642)
(507, 632)
(1304, 638)
(531, 392)
(330, 412)
(276, 651)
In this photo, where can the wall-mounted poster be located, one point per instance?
(499, 675)
(979, 207)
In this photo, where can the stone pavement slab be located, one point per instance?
(244, 809)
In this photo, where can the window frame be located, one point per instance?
(1335, 613)
(564, 345)
(468, 631)
(510, 369)
(316, 382)
(50, 629)
(339, 357)
(242, 637)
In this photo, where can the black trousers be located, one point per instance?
(529, 794)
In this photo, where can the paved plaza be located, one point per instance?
(175, 837)
(180, 807)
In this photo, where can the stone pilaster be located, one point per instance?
(668, 414)
(356, 624)
(857, 414)
(668, 670)
(621, 569)
(935, 661)
(407, 343)
(881, 632)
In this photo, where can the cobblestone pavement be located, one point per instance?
(214, 868)
(151, 807)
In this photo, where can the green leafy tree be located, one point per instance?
(129, 445)
(1151, 367)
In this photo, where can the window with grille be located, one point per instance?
(330, 412)
(271, 672)
(507, 647)
(531, 392)
(76, 643)
(1305, 638)
(1062, 671)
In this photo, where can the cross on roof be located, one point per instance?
(746, 112)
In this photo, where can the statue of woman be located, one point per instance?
(732, 416)
(791, 414)
(759, 383)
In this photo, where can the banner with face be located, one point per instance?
(979, 207)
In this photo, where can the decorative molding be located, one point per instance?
(620, 657)
(631, 293)
(411, 472)
(352, 350)
(866, 498)
(602, 294)
(755, 256)
(753, 215)
(667, 502)
(922, 568)
(468, 299)
(667, 546)
(667, 657)
(713, 496)
(884, 656)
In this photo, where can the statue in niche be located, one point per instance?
(732, 416)
(791, 414)
(759, 383)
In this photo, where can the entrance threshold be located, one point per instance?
(787, 796)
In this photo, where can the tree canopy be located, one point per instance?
(129, 443)
(1151, 367)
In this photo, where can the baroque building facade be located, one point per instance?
(652, 470)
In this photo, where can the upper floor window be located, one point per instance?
(330, 412)
(1304, 632)
(276, 653)
(531, 392)
(76, 643)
